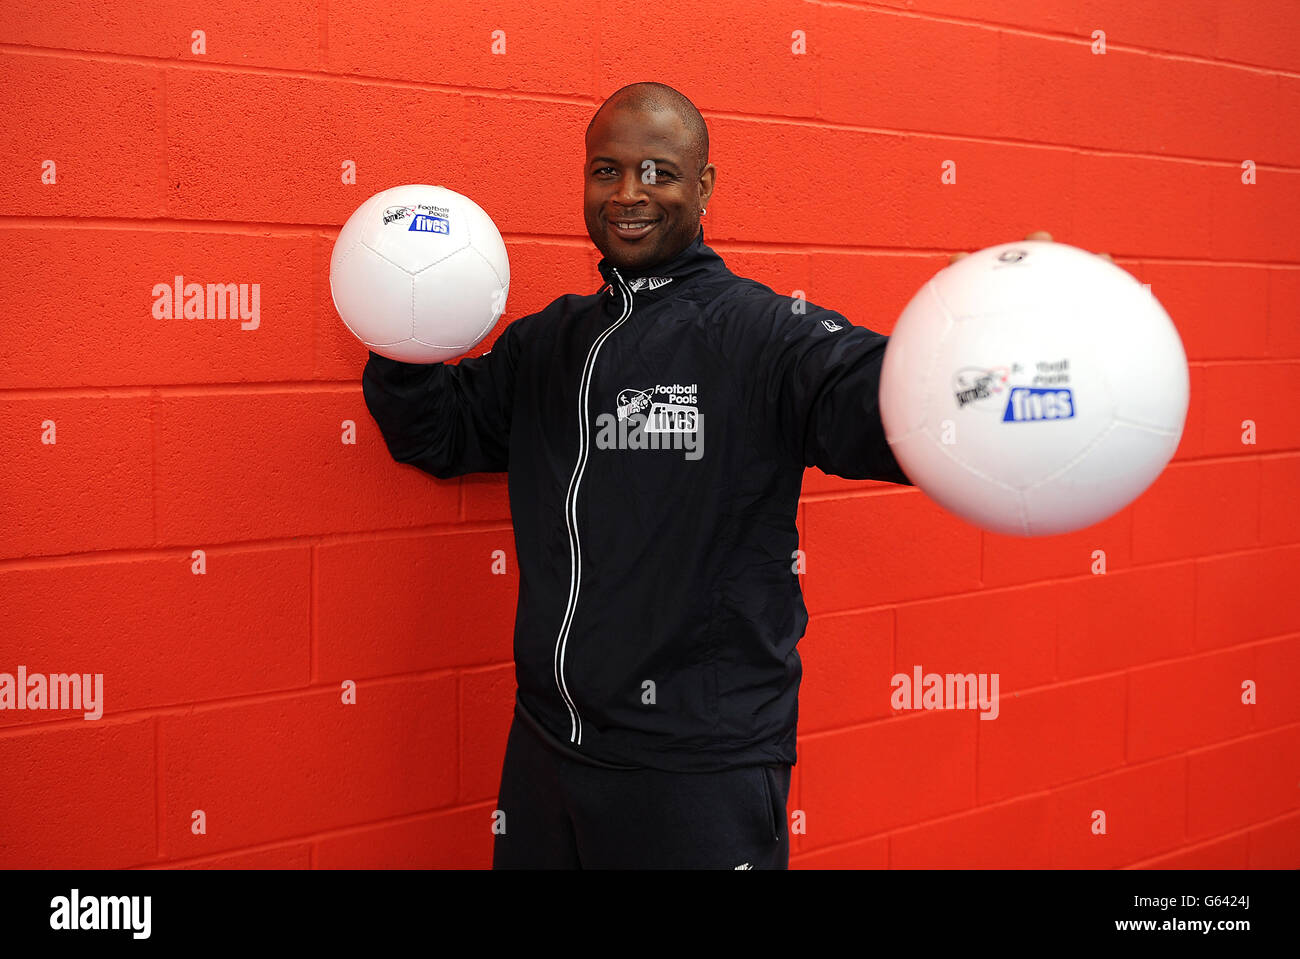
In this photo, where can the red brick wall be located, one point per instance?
(326, 562)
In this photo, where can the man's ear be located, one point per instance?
(708, 180)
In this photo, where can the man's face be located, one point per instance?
(619, 187)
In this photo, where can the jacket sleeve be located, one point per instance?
(819, 377)
(447, 419)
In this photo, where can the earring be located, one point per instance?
(704, 211)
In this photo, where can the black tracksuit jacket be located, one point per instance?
(655, 434)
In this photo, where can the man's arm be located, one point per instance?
(447, 419)
(820, 389)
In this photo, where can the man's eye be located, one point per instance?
(658, 174)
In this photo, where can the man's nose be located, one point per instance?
(630, 188)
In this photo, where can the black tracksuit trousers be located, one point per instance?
(560, 813)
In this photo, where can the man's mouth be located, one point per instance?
(631, 229)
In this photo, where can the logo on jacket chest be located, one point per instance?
(666, 416)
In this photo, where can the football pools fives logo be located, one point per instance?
(665, 416)
(423, 217)
(1047, 396)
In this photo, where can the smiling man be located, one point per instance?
(646, 135)
(659, 599)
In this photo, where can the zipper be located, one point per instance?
(571, 508)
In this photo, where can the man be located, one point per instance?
(655, 434)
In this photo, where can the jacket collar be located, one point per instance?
(694, 261)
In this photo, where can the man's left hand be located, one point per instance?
(1036, 235)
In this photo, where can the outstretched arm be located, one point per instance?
(820, 378)
(446, 419)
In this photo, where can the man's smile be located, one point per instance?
(629, 228)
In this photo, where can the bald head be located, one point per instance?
(661, 98)
(646, 178)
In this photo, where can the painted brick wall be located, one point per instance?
(327, 562)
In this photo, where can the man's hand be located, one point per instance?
(1036, 235)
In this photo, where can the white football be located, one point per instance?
(419, 274)
(1034, 388)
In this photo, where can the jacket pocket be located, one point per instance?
(770, 794)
